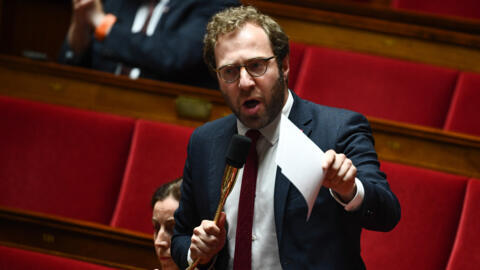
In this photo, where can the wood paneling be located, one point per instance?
(427, 147)
(76, 239)
(89, 89)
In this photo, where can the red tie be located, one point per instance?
(243, 240)
(151, 7)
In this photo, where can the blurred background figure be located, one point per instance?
(164, 203)
(156, 39)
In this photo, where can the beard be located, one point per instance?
(278, 100)
(272, 109)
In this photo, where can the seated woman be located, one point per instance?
(164, 203)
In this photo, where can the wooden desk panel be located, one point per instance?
(427, 147)
(76, 239)
(100, 91)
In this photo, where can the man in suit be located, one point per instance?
(249, 52)
(156, 39)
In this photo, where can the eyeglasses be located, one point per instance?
(256, 67)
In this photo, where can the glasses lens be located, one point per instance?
(229, 73)
(257, 67)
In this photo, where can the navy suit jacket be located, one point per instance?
(172, 53)
(330, 239)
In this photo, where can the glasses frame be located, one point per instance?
(239, 67)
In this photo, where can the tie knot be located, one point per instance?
(253, 134)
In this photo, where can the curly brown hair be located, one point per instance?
(232, 19)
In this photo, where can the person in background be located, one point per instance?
(156, 39)
(164, 203)
(264, 224)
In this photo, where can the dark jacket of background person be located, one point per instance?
(174, 51)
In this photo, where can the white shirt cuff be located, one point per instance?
(357, 200)
(190, 261)
(189, 258)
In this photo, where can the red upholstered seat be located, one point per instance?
(19, 259)
(61, 161)
(376, 86)
(459, 8)
(466, 250)
(431, 204)
(464, 113)
(296, 57)
(158, 155)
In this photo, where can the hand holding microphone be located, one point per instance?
(209, 238)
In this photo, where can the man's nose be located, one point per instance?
(246, 80)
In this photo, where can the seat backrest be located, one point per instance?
(158, 154)
(296, 57)
(19, 259)
(431, 204)
(459, 8)
(463, 115)
(61, 161)
(466, 250)
(377, 86)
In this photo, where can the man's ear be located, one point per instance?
(286, 66)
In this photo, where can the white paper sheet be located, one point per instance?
(300, 160)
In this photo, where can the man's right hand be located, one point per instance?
(208, 239)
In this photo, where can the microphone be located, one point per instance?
(237, 153)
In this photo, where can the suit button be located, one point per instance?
(369, 213)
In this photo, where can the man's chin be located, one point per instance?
(253, 122)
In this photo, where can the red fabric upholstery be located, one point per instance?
(19, 259)
(158, 155)
(376, 86)
(431, 204)
(61, 161)
(460, 8)
(463, 115)
(296, 57)
(466, 250)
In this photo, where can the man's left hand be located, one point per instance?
(340, 175)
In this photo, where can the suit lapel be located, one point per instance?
(302, 119)
(300, 115)
(217, 162)
(282, 186)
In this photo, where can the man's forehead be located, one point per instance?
(248, 37)
(248, 27)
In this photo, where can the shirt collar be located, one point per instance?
(271, 131)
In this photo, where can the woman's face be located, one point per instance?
(163, 223)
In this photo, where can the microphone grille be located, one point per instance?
(237, 151)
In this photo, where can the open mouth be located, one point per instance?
(251, 103)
